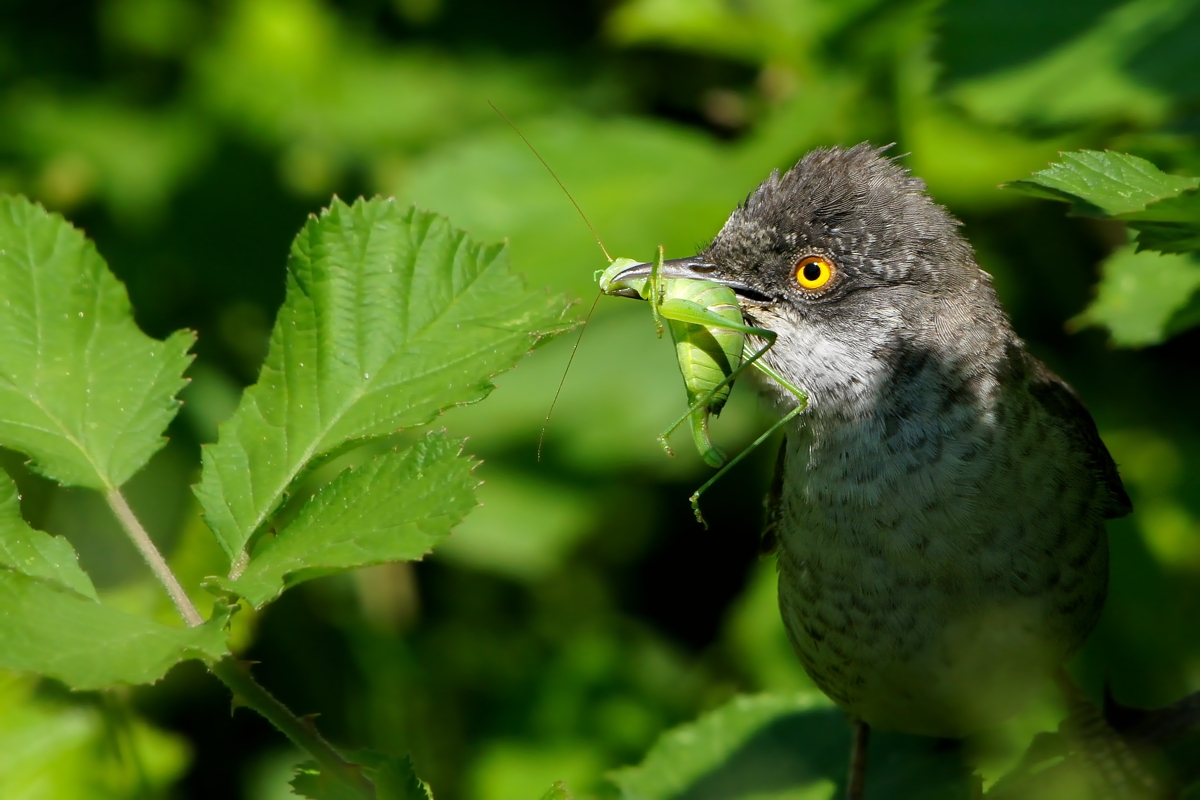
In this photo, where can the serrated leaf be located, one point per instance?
(1141, 296)
(792, 746)
(1100, 184)
(55, 632)
(34, 553)
(391, 316)
(394, 779)
(393, 508)
(83, 391)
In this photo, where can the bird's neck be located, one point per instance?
(898, 365)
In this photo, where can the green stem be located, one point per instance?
(158, 565)
(236, 675)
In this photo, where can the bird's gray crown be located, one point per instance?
(852, 204)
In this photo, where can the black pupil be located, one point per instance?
(812, 271)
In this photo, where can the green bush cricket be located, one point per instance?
(711, 347)
(710, 335)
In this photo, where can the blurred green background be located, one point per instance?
(580, 611)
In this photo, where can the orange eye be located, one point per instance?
(813, 272)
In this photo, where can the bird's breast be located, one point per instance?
(935, 554)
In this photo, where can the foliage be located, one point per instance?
(577, 614)
(1147, 289)
(391, 317)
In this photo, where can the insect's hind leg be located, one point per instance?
(801, 404)
(697, 412)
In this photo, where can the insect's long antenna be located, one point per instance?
(563, 380)
(561, 185)
(575, 348)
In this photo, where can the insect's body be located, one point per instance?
(711, 347)
(706, 355)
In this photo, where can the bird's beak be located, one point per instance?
(630, 280)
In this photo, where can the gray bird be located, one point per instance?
(938, 509)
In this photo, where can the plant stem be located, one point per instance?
(236, 675)
(158, 565)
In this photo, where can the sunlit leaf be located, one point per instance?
(82, 390)
(1142, 297)
(1100, 184)
(56, 632)
(391, 316)
(393, 508)
(34, 553)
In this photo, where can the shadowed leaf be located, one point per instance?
(393, 508)
(55, 632)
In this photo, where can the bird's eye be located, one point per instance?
(814, 272)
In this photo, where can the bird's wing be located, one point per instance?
(772, 503)
(1063, 404)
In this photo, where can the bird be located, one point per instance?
(938, 510)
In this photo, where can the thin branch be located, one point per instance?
(236, 675)
(246, 690)
(158, 565)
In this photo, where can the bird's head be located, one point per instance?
(848, 260)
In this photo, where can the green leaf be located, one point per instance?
(785, 746)
(82, 391)
(34, 553)
(1170, 226)
(394, 779)
(1143, 297)
(55, 632)
(1099, 184)
(1071, 63)
(685, 760)
(393, 508)
(391, 317)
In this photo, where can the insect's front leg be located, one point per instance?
(656, 290)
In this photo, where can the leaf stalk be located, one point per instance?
(235, 674)
(158, 565)
(302, 733)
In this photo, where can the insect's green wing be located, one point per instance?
(708, 350)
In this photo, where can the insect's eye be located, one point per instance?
(814, 272)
